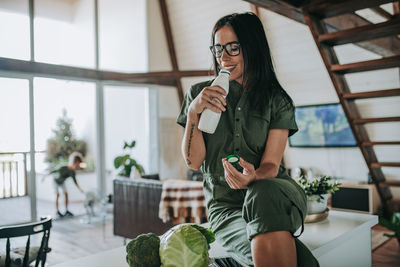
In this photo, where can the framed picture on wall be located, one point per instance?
(322, 126)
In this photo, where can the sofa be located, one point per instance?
(136, 205)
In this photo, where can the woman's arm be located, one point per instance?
(272, 157)
(193, 146)
(269, 165)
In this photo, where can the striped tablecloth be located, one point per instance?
(182, 201)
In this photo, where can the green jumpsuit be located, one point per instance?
(267, 205)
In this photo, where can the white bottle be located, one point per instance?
(209, 119)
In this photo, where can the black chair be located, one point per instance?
(28, 229)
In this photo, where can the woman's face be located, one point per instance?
(233, 64)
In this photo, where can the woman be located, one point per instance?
(253, 213)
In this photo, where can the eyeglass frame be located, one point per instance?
(224, 48)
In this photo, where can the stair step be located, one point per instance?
(374, 143)
(372, 94)
(383, 63)
(372, 120)
(363, 33)
(381, 12)
(384, 164)
(331, 8)
(390, 183)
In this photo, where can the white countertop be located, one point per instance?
(337, 228)
(320, 237)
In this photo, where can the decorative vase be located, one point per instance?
(135, 174)
(316, 204)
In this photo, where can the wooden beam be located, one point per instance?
(167, 78)
(385, 164)
(67, 72)
(396, 8)
(196, 73)
(373, 120)
(255, 10)
(281, 8)
(171, 48)
(383, 63)
(331, 8)
(381, 12)
(373, 94)
(380, 143)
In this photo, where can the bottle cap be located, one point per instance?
(234, 160)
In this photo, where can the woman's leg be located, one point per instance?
(274, 210)
(274, 249)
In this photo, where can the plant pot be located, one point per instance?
(315, 204)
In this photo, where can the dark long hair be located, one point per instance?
(259, 77)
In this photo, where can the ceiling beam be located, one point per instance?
(23, 67)
(171, 48)
(281, 8)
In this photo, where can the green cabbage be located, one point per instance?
(184, 245)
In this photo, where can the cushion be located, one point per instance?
(17, 256)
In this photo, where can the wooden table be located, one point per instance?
(343, 239)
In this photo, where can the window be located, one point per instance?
(14, 41)
(64, 32)
(126, 109)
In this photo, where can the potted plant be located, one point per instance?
(393, 224)
(126, 162)
(317, 191)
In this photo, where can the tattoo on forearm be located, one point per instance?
(190, 142)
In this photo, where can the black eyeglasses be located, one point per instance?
(232, 48)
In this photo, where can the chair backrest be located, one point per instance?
(28, 229)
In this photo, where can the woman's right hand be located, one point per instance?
(211, 97)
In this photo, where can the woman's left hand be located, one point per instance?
(236, 179)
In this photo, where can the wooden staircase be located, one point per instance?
(315, 12)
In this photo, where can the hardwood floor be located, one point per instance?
(388, 254)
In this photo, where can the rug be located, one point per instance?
(379, 238)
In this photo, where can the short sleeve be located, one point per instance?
(283, 116)
(73, 176)
(181, 120)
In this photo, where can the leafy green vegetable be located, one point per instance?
(393, 225)
(207, 232)
(186, 245)
(143, 251)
